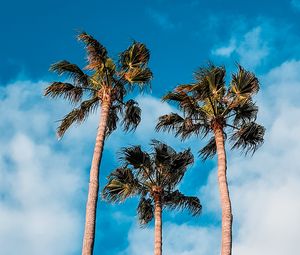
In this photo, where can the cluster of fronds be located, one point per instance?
(208, 104)
(151, 176)
(88, 90)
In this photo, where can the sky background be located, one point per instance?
(43, 181)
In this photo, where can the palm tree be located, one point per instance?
(210, 107)
(105, 84)
(154, 177)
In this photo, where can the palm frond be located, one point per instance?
(77, 115)
(169, 122)
(135, 56)
(244, 83)
(113, 118)
(145, 210)
(210, 82)
(249, 137)
(183, 127)
(176, 200)
(121, 185)
(244, 113)
(209, 150)
(97, 53)
(163, 153)
(175, 96)
(138, 76)
(64, 90)
(177, 169)
(119, 89)
(190, 127)
(135, 157)
(131, 116)
(78, 77)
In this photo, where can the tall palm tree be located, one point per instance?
(210, 108)
(105, 84)
(154, 177)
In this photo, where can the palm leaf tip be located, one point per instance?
(244, 83)
(176, 200)
(169, 122)
(64, 90)
(77, 115)
(97, 53)
(132, 115)
(249, 137)
(135, 56)
(121, 185)
(78, 77)
(145, 211)
(209, 150)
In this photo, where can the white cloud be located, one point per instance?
(251, 48)
(225, 51)
(161, 19)
(40, 186)
(177, 240)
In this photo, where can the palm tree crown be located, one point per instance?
(153, 177)
(208, 104)
(104, 78)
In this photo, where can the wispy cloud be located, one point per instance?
(295, 4)
(161, 19)
(251, 48)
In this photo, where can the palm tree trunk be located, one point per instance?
(91, 205)
(224, 193)
(158, 226)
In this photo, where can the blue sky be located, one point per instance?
(43, 181)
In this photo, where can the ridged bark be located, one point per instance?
(158, 226)
(226, 244)
(91, 205)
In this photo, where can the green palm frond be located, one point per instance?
(97, 53)
(176, 200)
(135, 157)
(174, 96)
(139, 76)
(189, 127)
(121, 185)
(145, 210)
(64, 90)
(209, 150)
(163, 153)
(210, 82)
(183, 127)
(77, 115)
(169, 122)
(249, 137)
(119, 90)
(131, 116)
(244, 113)
(244, 84)
(178, 167)
(113, 118)
(135, 56)
(78, 77)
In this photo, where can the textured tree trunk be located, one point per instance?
(91, 205)
(158, 226)
(224, 194)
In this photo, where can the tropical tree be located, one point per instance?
(210, 108)
(154, 177)
(105, 85)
